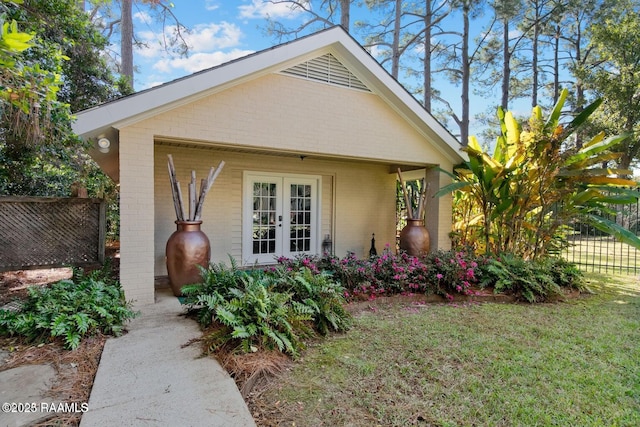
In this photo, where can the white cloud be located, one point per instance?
(213, 36)
(199, 61)
(206, 43)
(260, 9)
(152, 44)
(375, 51)
(202, 37)
(514, 34)
(143, 17)
(211, 5)
(152, 84)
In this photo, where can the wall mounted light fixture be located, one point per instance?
(103, 145)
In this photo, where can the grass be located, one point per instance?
(573, 363)
(602, 254)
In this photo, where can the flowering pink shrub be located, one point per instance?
(456, 272)
(443, 273)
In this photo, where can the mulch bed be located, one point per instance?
(14, 284)
(75, 370)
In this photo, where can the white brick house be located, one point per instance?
(318, 112)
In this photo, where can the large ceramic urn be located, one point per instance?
(414, 238)
(187, 248)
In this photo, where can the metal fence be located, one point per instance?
(38, 232)
(595, 251)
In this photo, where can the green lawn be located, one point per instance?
(567, 364)
(603, 254)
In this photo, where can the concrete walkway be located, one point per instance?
(147, 378)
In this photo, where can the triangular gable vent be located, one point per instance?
(328, 69)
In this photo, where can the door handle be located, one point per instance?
(280, 221)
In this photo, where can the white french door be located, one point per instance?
(280, 216)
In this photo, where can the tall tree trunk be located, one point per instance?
(556, 65)
(464, 124)
(345, 11)
(534, 58)
(126, 41)
(580, 100)
(395, 53)
(427, 55)
(506, 64)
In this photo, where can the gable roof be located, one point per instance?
(105, 119)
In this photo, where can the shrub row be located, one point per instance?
(445, 273)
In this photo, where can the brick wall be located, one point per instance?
(299, 115)
(137, 213)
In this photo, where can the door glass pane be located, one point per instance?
(300, 228)
(264, 218)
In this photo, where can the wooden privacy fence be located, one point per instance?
(40, 232)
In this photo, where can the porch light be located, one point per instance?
(103, 145)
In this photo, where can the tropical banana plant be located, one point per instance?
(537, 182)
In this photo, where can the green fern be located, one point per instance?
(82, 322)
(226, 316)
(533, 281)
(242, 332)
(274, 309)
(59, 326)
(72, 339)
(70, 309)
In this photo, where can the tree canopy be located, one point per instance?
(615, 75)
(59, 67)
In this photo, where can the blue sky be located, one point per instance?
(220, 31)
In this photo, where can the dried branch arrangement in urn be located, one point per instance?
(188, 247)
(414, 237)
